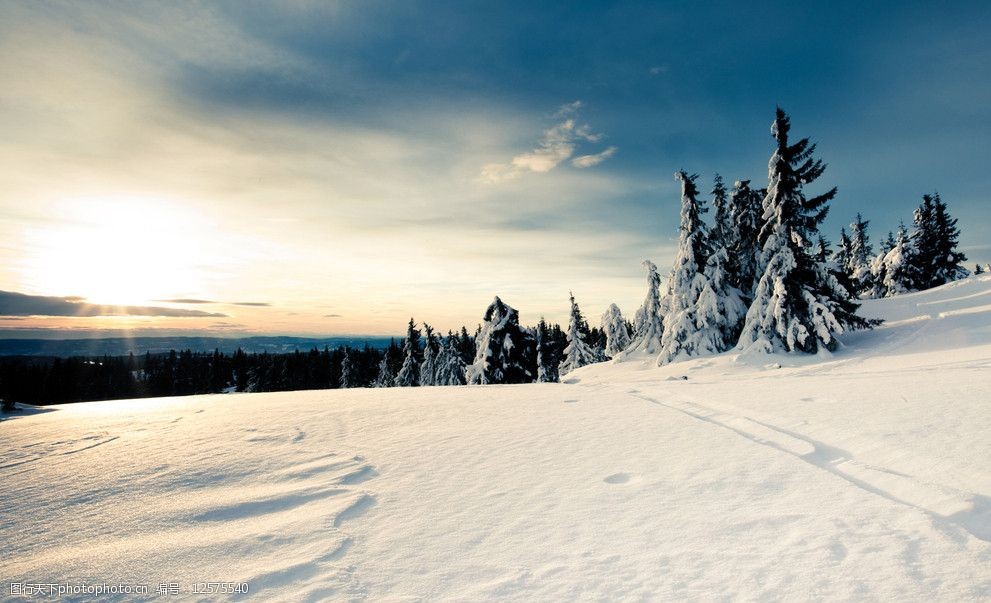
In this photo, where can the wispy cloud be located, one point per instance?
(557, 144)
(21, 304)
(586, 161)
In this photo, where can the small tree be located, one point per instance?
(897, 269)
(506, 353)
(744, 249)
(409, 374)
(385, 377)
(859, 260)
(547, 357)
(648, 325)
(428, 369)
(450, 365)
(347, 371)
(936, 260)
(614, 327)
(577, 353)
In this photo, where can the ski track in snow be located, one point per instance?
(968, 510)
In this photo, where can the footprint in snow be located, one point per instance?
(618, 478)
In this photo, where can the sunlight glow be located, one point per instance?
(115, 251)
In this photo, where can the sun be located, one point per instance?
(115, 251)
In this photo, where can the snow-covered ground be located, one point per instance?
(866, 475)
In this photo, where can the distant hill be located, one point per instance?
(118, 346)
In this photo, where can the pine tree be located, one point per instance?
(547, 358)
(978, 269)
(719, 311)
(428, 369)
(347, 371)
(897, 269)
(798, 305)
(385, 377)
(614, 328)
(682, 337)
(744, 251)
(648, 321)
(861, 254)
(722, 222)
(577, 353)
(409, 374)
(947, 261)
(450, 365)
(506, 353)
(934, 239)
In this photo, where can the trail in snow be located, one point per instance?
(966, 509)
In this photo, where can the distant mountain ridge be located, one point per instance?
(119, 346)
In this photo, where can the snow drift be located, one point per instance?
(862, 474)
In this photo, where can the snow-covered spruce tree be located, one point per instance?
(506, 353)
(409, 374)
(613, 325)
(347, 371)
(577, 353)
(687, 281)
(722, 222)
(547, 360)
(897, 269)
(978, 269)
(648, 324)
(385, 378)
(744, 251)
(798, 305)
(720, 310)
(935, 237)
(450, 365)
(428, 368)
(861, 254)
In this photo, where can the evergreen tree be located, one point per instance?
(897, 270)
(409, 374)
(578, 353)
(744, 250)
(723, 229)
(934, 238)
(347, 371)
(798, 305)
(861, 254)
(450, 365)
(821, 252)
(506, 353)
(547, 358)
(719, 311)
(684, 334)
(978, 269)
(428, 370)
(614, 329)
(649, 322)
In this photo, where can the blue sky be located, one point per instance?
(345, 165)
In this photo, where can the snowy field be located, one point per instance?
(862, 476)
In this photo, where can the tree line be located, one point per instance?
(760, 277)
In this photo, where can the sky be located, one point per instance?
(334, 168)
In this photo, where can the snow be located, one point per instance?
(861, 474)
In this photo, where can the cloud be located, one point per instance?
(20, 304)
(557, 144)
(186, 300)
(586, 161)
(332, 316)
